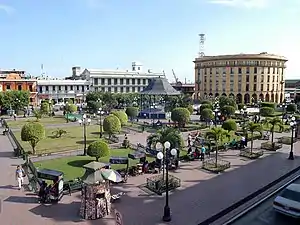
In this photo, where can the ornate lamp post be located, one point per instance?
(84, 121)
(293, 125)
(283, 106)
(100, 112)
(165, 157)
(217, 111)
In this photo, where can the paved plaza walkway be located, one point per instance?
(201, 195)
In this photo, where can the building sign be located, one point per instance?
(119, 219)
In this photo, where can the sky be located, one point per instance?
(161, 34)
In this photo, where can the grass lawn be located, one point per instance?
(73, 140)
(73, 166)
(276, 128)
(46, 121)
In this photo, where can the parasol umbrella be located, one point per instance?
(112, 175)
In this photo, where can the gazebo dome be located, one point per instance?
(159, 86)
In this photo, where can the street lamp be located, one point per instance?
(84, 121)
(100, 112)
(293, 124)
(166, 159)
(217, 113)
(244, 113)
(283, 106)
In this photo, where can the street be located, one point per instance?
(265, 215)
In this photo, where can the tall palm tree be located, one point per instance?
(217, 134)
(253, 127)
(272, 123)
(166, 134)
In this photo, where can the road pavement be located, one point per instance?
(265, 215)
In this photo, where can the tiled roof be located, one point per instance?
(159, 86)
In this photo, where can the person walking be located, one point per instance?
(20, 174)
(203, 151)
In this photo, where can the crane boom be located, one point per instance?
(176, 78)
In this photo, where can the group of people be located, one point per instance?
(195, 153)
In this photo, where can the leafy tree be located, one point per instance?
(291, 108)
(94, 106)
(15, 100)
(98, 149)
(37, 114)
(45, 108)
(122, 116)
(205, 106)
(217, 134)
(166, 134)
(132, 112)
(111, 125)
(228, 110)
(229, 125)
(182, 101)
(109, 100)
(180, 116)
(272, 123)
(70, 108)
(241, 106)
(59, 133)
(266, 111)
(33, 132)
(223, 100)
(190, 108)
(207, 115)
(253, 127)
(204, 102)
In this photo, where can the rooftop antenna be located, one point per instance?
(201, 45)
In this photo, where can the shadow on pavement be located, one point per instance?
(21, 199)
(6, 154)
(8, 187)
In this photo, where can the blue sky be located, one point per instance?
(162, 34)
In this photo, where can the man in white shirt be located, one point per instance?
(20, 173)
(243, 141)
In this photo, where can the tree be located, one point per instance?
(15, 100)
(166, 134)
(33, 132)
(272, 123)
(132, 112)
(229, 125)
(45, 108)
(70, 108)
(207, 115)
(94, 106)
(190, 108)
(223, 100)
(266, 111)
(37, 114)
(228, 110)
(180, 116)
(291, 108)
(217, 134)
(253, 127)
(122, 116)
(205, 106)
(98, 149)
(111, 125)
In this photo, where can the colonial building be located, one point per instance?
(246, 77)
(18, 81)
(185, 88)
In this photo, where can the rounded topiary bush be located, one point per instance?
(229, 125)
(291, 108)
(266, 111)
(180, 116)
(122, 116)
(205, 106)
(98, 149)
(190, 108)
(111, 125)
(241, 106)
(206, 102)
(33, 132)
(132, 112)
(228, 110)
(207, 114)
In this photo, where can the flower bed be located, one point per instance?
(210, 165)
(255, 154)
(270, 146)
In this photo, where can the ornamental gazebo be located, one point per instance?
(158, 87)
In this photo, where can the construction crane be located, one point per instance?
(176, 78)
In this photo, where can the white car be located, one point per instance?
(288, 202)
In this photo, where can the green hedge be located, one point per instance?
(266, 111)
(268, 104)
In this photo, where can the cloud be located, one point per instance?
(7, 9)
(241, 3)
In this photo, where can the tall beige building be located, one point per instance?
(245, 77)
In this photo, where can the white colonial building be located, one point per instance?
(83, 81)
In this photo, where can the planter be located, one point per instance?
(255, 154)
(210, 165)
(286, 140)
(270, 146)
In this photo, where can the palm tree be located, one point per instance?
(217, 134)
(272, 123)
(166, 134)
(253, 127)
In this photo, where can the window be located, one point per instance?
(127, 89)
(8, 87)
(82, 88)
(95, 81)
(262, 70)
(121, 81)
(71, 87)
(210, 70)
(255, 78)
(109, 89)
(66, 88)
(40, 89)
(115, 89)
(231, 70)
(268, 78)
(144, 81)
(121, 89)
(139, 81)
(205, 77)
(247, 87)
(59, 88)
(273, 70)
(77, 87)
(247, 78)
(268, 70)
(115, 81)
(30, 88)
(109, 81)
(255, 70)
(262, 87)
(262, 78)
(47, 88)
(205, 72)
(139, 68)
(133, 81)
(247, 70)
(19, 87)
(273, 78)
(127, 82)
(240, 70)
(268, 87)
(254, 87)
(102, 81)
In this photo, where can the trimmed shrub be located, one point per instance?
(33, 132)
(266, 111)
(98, 149)
(268, 104)
(241, 106)
(132, 112)
(206, 102)
(291, 108)
(207, 114)
(229, 125)
(111, 125)
(228, 110)
(205, 106)
(122, 116)
(180, 116)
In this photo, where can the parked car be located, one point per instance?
(288, 202)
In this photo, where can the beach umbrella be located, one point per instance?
(112, 175)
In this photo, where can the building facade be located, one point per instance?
(292, 89)
(245, 77)
(18, 81)
(185, 88)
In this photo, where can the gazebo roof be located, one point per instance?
(94, 166)
(159, 86)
